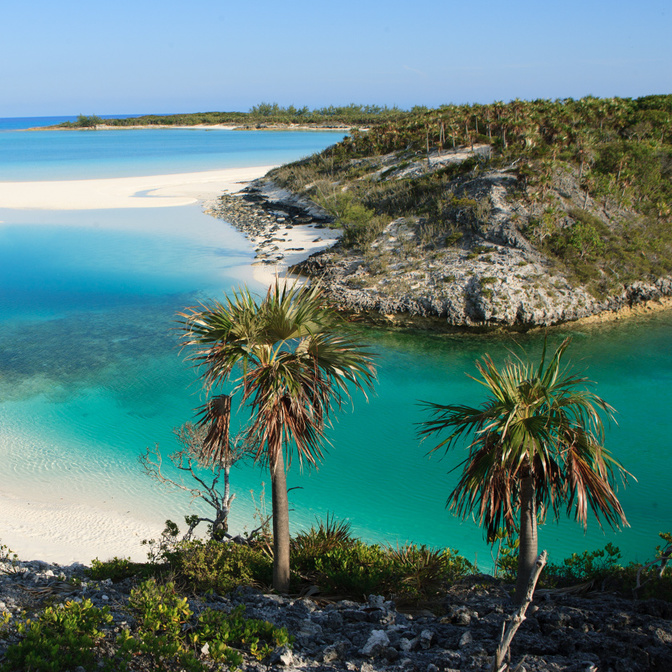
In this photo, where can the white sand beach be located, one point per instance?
(154, 191)
(69, 532)
(294, 245)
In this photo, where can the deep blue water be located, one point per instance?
(91, 373)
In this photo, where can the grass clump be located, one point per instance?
(330, 557)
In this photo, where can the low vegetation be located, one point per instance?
(164, 631)
(592, 188)
(266, 114)
(165, 635)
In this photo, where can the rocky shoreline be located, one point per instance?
(282, 228)
(563, 632)
(492, 280)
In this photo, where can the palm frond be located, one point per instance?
(537, 421)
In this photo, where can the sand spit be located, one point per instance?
(152, 191)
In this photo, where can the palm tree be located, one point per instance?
(536, 443)
(290, 363)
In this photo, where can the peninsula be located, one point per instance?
(517, 215)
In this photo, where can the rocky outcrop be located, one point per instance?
(488, 276)
(562, 631)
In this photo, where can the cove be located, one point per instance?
(91, 374)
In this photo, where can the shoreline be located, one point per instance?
(222, 127)
(148, 191)
(62, 532)
(406, 321)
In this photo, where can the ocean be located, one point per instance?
(91, 373)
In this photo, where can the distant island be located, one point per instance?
(516, 215)
(262, 116)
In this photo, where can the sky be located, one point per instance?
(150, 56)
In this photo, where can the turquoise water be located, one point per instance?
(71, 155)
(91, 374)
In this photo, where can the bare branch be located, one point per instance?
(191, 460)
(508, 631)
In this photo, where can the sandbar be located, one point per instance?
(153, 191)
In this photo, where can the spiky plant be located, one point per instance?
(535, 444)
(293, 364)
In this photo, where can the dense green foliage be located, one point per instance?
(85, 121)
(600, 569)
(266, 114)
(165, 635)
(60, 639)
(594, 174)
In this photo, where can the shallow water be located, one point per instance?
(73, 155)
(91, 374)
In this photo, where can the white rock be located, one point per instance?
(378, 640)
(466, 639)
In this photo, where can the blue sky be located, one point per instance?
(142, 56)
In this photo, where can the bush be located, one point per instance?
(330, 557)
(221, 631)
(213, 565)
(62, 638)
(593, 566)
(116, 569)
(167, 636)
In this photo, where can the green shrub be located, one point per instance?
(159, 608)
(116, 569)
(354, 570)
(222, 631)
(330, 557)
(212, 565)
(586, 566)
(62, 638)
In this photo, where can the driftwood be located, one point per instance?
(509, 631)
(663, 558)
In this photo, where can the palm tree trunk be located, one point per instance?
(527, 550)
(280, 525)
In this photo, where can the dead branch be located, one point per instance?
(508, 631)
(662, 559)
(213, 489)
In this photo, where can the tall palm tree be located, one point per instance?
(536, 443)
(291, 365)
